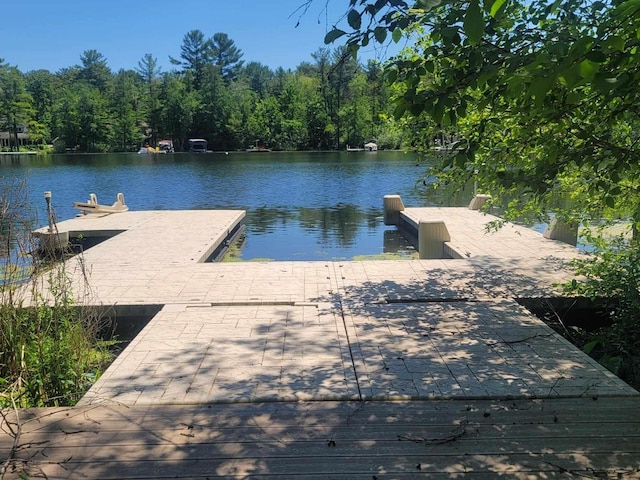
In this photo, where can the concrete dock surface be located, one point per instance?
(258, 370)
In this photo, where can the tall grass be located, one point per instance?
(50, 348)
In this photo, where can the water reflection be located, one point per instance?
(340, 231)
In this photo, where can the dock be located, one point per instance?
(339, 369)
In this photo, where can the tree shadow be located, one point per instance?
(288, 388)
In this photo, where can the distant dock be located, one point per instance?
(18, 153)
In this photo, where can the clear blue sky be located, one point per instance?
(52, 34)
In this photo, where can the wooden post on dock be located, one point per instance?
(431, 237)
(392, 207)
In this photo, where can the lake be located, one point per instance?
(300, 206)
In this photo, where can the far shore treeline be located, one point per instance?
(324, 104)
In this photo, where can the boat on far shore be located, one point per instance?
(368, 147)
(164, 146)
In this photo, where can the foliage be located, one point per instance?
(545, 94)
(50, 351)
(50, 356)
(226, 56)
(195, 53)
(613, 274)
(210, 94)
(15, 102)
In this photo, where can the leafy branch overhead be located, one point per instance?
(544, 93)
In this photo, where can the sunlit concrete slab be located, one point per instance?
(477, 278)
(159, 237)
(472, 236)
(106, 283)
(322, 351)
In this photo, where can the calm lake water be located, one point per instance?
(300, 206)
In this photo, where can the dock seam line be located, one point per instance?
(338, 294)
(266, 303)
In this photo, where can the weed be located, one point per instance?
(50, 349)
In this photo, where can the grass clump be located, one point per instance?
(51, 351)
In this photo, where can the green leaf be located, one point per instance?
(380, 33)
(354, 19)
(474, 22)
(604, 83)
(497, 5)
(333, 35)
(437, 111)
(571, 76)
(588, 69)
(610, 201)
(400, 110)
(588, 348)
(426, 5)
(392, 75)
(614, 43)
(396, 35)
(540, 87)
(416, 108)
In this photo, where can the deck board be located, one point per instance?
(336, 439)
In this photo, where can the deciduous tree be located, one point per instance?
(15, 102)
(545, 93)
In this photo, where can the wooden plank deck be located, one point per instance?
(550, 438)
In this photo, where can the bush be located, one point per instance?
(50, 349)
(612, 272)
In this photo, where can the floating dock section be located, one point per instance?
(458, 233)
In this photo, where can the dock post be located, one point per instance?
(392, 207)
(478, 201)
(564, 232)
(52, 241)
(431, 237)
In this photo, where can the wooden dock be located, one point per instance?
(476, 439)
(374, 369)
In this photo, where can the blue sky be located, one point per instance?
(52, 34)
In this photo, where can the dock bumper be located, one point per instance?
(392, 207)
